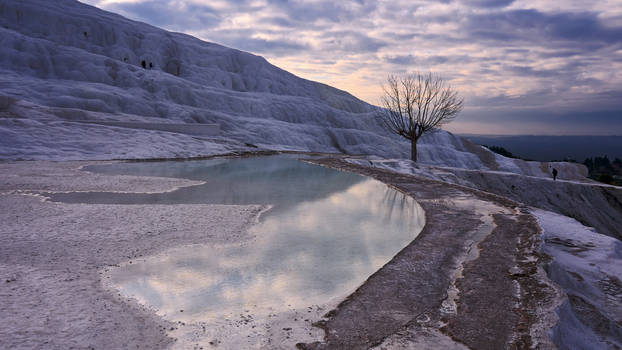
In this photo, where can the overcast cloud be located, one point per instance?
(538, 67)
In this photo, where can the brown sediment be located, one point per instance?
(501, 292)
(402, 301)
(487, 288)
(501, 283)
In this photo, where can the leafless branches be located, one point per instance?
(417, 104)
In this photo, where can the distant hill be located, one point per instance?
(547, 148)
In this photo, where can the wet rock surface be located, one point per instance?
(470, 279)
(501, 294)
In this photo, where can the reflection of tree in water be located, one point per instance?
(399, 202)
(389, 200)
(330, 230)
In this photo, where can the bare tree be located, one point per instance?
(417, 104)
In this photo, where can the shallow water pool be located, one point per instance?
(327, 231)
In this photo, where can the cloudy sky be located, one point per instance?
(524, 67)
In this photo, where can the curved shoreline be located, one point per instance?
(389, 309)
(414, 313)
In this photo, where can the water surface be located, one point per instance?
(326, 233)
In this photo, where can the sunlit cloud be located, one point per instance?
(511, 55)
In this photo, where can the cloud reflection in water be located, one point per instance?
(305, 253)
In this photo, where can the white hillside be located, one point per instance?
(69, 55)
(64, 62)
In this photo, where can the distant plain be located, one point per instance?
(547, 148)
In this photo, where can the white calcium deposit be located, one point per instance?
(66, 67)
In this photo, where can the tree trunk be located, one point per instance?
(413, 150)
